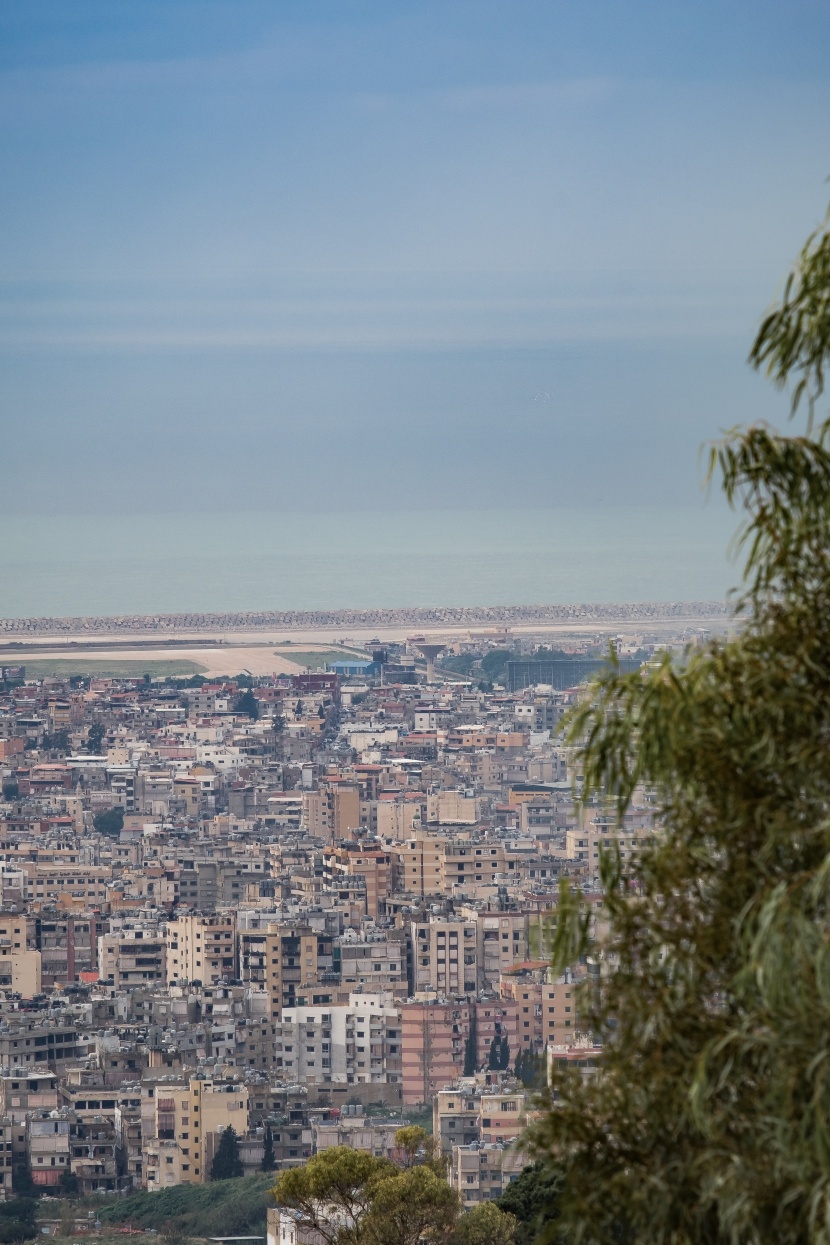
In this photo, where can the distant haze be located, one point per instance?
(391, 256)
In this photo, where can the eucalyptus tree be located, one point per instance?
(709, 1118)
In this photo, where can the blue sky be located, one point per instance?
(278, 255)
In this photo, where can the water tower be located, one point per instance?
(429, 650)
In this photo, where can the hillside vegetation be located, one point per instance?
(223, 1208)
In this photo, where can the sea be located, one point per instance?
(61, 565)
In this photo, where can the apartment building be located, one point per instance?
(283, 961)
(367, 860)
(132, 956)
(25, 1091)
(374, 961)
(481, 1171)
(502, 1114)
(48, 1145)
(332, 813)
(444, 956)
(68, 944)
(435, 1036)
(201, 948)
(546, 1010)
(39, 1043)
(179, 1118)
(455, 1115)
(359, 1043)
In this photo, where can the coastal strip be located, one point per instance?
(415, 618)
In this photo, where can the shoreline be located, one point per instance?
(262, 644)
(174, 627)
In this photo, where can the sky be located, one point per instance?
(366, 254)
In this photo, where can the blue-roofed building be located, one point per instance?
(349, 667)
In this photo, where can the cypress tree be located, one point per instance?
(269, 1162)
(227, 1165)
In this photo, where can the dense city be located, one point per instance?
(309, 909)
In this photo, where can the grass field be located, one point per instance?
(113, 668)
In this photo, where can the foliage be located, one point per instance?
(414, 1141)
(248, 704)
(353, 1198)
(110, 822)
(59, 742)
(408, 1207)
(531, 1069)
(485, 1224)
(224, 1208)
(333, 1192)
(794, 339)
(533, 1199)
(10, 790)
(95, 737)
(227, 1165)
(463, 664)
(494, 664)
(470, 1060)
(17, 1220)
(498, 1059)
(173, 1235)
(269, 1162)
(69, 1183)
(22, 1182)
(709, 1119)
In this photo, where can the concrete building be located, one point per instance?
(201, 948)
(435, 1035)
(179, 1117)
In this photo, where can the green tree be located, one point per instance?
(227, 1164)
(248, 704)
(530, 1069)
(414, 1142)
(708, 1121)
(269, 1161)
(333, 1192)
(69, 1185)
(470, 1054)
(533, 1199)
(110, 822)
(498, 1059)
(485, 1224)
(95, 737)
(59, 742)
(17, 1220)
(10, 790)
(22, 1182)
(409, 1207)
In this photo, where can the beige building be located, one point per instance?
(333, 812)
(24, 1091)
(201, 948)
(366, 860)
(180, 1120)
(281, 960)
(132, 956)
(481, 1173)
(547, 1010)
(444, 957)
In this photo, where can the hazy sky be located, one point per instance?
(289, 254)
